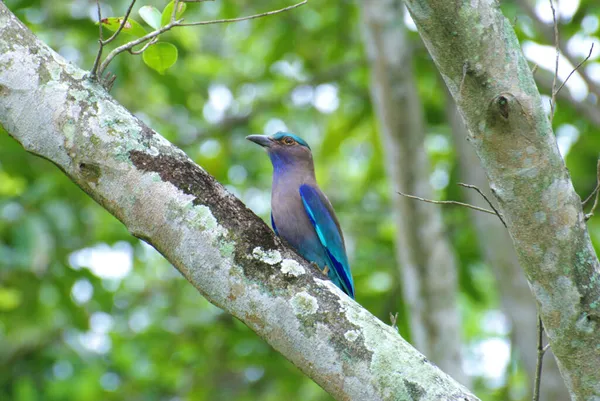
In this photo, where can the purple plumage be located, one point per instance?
(301, 214)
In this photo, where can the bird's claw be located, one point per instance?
(325, 270)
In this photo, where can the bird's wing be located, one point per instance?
(273, 225)
(323, 219)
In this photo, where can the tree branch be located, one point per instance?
(219, 245)
(584, 107)
(596, 192)
(547, 32)
(480, 192)
(456, 203)
(223, 21)
(513, 138)
(154, 34)
(541, 351)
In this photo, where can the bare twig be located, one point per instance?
(172, 24)
(534, 69)
(394, 320)
(541, 350)
(100, 38)
(143, 49)
(449, 203)
(221, 21)
(556, 45)
(486, 199)
(122, 25)
(590, 196)
(174, 13)
(548, 33)
(102, 42)
(596, 191)
(109, 80)
(576, 68)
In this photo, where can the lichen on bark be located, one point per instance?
(496, 95)
(210, 236)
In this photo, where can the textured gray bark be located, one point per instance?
(221, 247)
(497, 248)
(477, 53)
(425, 259)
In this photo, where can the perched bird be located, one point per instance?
(300, 213)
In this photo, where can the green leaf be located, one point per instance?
(10, 298)
(168, 11)
(160, 56)
(131, 27)
(151, 15)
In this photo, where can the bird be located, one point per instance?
(301, 214)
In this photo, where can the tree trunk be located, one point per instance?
(221, 247)
(478, 55)
(425, 259)
(497, 249)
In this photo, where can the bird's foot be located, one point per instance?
(325, 270)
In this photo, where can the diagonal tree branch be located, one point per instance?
(221, 247)
(494, 90)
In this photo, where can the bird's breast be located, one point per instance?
(293, 224)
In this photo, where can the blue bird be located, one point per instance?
(300, 213)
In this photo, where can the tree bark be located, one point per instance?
(478, 55)
(497, 249)
(221, 247)
(425, 258)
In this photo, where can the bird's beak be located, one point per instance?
(261, 140)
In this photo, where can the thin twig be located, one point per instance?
(178, 23)
(100, 36)
(556, 45)
(448, 203)
(576, 68)
(221, 21)
(486, 199)
(122, 25)
(115, 52)
(144, 48)
(596, 191)
(548, 33)
(100, 31)
(109, 80)
(590, 196)
(541, 350)
(175, 9)
(102, 42)
(394, 320)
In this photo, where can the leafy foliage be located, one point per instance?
(160, 56)
(87, 312)
(131, 27)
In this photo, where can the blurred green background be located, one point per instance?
(87, 312)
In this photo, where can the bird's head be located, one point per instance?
(285, 150)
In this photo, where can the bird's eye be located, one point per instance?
(288, 141)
